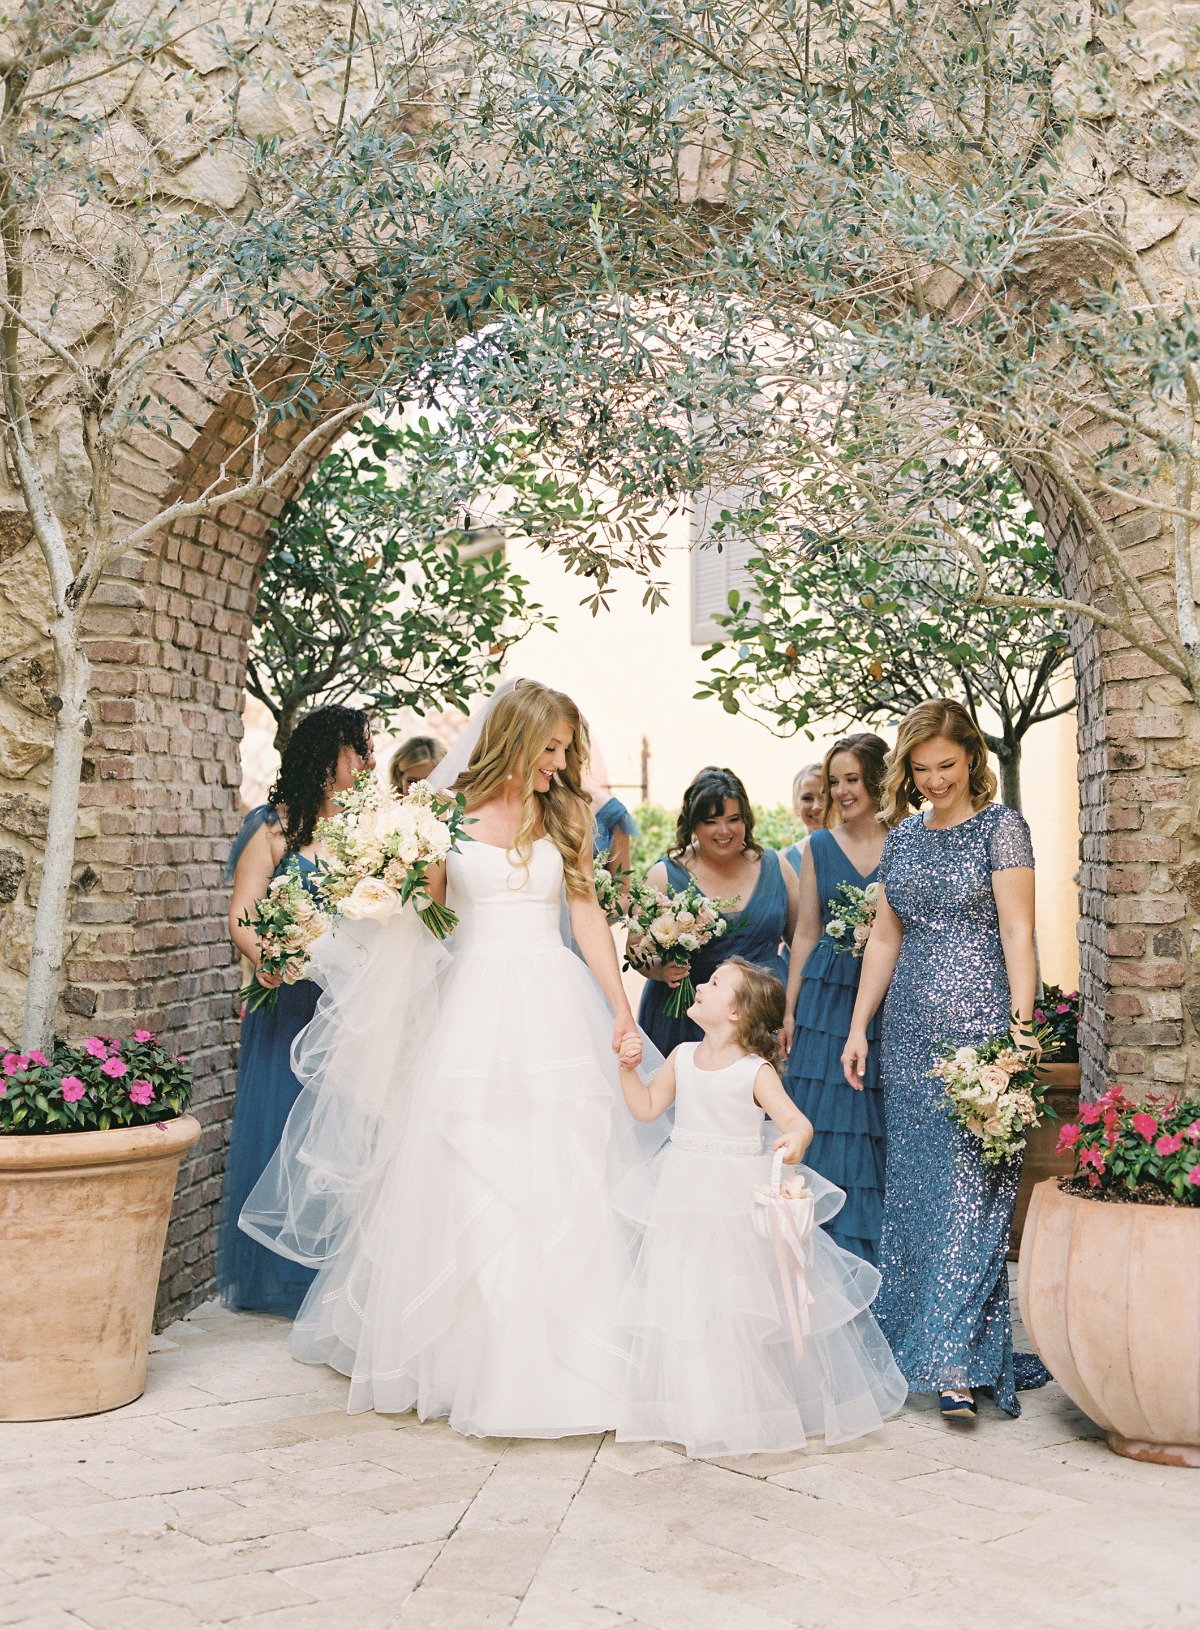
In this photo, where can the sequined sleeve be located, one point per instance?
(1009, 843)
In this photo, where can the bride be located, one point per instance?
(477, 1262)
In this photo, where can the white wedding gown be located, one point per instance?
(480, 1276)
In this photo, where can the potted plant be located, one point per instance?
(1109, 1277)
(90, 1144)
(1057, 1017)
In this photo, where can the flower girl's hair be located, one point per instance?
(516, 730)
(941, 717)
(761, 1005)
(871, 752)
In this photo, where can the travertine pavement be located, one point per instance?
(237, 1492)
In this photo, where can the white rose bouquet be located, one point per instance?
(287, 922)
(851, 915)
(994, 1094)
(670, 929)
(380, 848)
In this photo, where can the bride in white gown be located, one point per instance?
(476, 1268)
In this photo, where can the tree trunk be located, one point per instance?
(72, 727)
(1010, 776)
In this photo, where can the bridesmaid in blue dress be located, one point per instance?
(327, 749)
(808, 806)
(715, 846)
(952, 947)
(612, 829)
(849, 1144)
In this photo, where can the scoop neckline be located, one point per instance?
(958, 825)
(724, 1067)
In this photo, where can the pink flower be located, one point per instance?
(1194, 1177)
(1068, 1137)
(113, 1067)
(39, 1058)
(1169, 1145)
(1092, 1157)
(72, 1089)
(14, 1062)
(1145, 1125)
(141, 1092)
(1193, 1132)
(1038, 1014)
(1062, 1008)
(143, 1035)
(1089, 1114)
(96, 1047)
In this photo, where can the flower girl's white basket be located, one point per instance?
(788, 1222)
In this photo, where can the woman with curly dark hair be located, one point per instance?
(327, 750)
(715, 847)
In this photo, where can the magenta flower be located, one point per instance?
(39, 1058)
(143, 1035)
(1068, 1137)
(14, 1062)
(1062, 1008)
(1194, 1177)
(72, 1089)
(1092, 1157)
(1193, 1132)
(96, 1047)
(1038, 1014)
(141, 1092)
(1169, 1144)
(1145, 1125)
(1089, 1114)
(113, 1067)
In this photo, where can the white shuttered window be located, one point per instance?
(714, 571)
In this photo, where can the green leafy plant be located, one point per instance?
(96, 1085)
(1140, 1150)
(848, 629)
(1058, 1014)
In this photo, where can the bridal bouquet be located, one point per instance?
(380, 850)
(287, 922)
(670, 929)
(994, 1093)
(851, 914)
(612, 885)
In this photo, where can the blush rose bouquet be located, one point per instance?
(287, 922)
(851, 915)
(670, 929)
(993, 1092)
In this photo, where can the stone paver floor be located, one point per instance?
(238, 1492)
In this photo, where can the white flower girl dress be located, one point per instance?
(452, 1165)
(714, 1361)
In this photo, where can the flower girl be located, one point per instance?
(742, 1343)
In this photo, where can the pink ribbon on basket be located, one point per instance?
(793, 1252)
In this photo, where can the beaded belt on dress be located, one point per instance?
(701, 1143)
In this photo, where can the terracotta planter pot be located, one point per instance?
(1110, 1295)
(1062, 1094)
(83, 1220)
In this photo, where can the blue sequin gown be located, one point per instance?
(760, 928)
(248, 1275)
(944, 1303)
(849, 1142)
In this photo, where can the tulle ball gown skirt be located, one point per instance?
(485, 1280)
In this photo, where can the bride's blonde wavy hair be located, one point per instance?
(515, 734)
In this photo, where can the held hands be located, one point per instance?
(854, 1060)
(627, 1042)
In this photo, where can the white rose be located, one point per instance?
(861, 934)
(688, 942)
(370, 898)
(871, 890)
(663, 929)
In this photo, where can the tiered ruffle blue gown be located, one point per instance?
(849, 1144)
(755, 932)
(248, 1275)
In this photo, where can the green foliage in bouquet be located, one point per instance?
(93, 1086)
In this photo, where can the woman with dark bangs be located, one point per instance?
(327, 750)
(715, 847)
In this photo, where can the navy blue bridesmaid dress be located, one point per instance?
(760, 926)
(849, 1142)
(612, 817)
(944, 1303)
(249, 1276)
